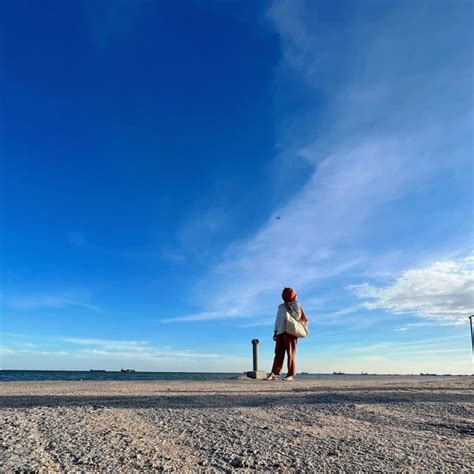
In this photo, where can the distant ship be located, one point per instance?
(97, 370)
(338, 373)
(127, 370)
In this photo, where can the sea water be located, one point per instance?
(43, 375)
(65, 375)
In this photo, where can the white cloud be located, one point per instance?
(443, 291)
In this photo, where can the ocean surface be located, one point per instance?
(43, 375)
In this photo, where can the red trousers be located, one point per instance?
(285, 343)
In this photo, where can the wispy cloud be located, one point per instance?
(77, 239)
(423, 324)
(135, 349)
(198, 230)
(310, 241)
(380, 144)
(83, 305)
(111, 354)
(48, 301)
(6, 350)
(339, 313)
(435, 343)
(258, 322)
(205, 315)
(110, 344)
(443, 291)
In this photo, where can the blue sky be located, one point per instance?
(149, 148)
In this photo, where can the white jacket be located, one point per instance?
(280, 321)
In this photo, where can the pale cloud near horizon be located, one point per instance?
(443, 291)
(439, 355)
(112, 354)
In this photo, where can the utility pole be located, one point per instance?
(472, 342)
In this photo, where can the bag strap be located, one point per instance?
(304, 318)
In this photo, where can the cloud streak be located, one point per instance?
(110, 344)
(135, 349)
(26, 302)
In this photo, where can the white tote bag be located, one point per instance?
(296, 328)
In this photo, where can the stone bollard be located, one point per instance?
(255, 373)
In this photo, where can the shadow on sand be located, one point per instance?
(211, 399)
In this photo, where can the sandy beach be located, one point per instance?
(351, 424)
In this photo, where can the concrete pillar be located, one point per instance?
(255, 354)
(255, 373)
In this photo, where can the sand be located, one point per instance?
(349, 424)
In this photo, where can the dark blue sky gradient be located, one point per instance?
(126, 139)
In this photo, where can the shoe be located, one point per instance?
(289, 379)
(272, 377)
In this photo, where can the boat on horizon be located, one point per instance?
(97, 370)
(127, 370)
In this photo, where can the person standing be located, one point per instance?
(285, 342)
